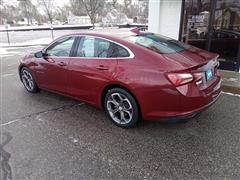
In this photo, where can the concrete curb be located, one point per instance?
(230, 81)
(230, 89)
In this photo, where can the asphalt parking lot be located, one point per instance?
(46, 136)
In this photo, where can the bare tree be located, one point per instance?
(144, 10)
(114, 3)
(127, 4)
(93, 8)
(48, 6)
(23, 7)
(28, 10)
(126, 8)
(1, 11)
(9, 14)
(61, 13)
(77, 8)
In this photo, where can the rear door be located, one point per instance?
(93, 66)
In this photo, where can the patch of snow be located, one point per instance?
(3, 51)
(231, 79)
(41, 41)
(74, 140)
(6, 75)
(231, 94)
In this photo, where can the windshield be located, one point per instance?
(158, 43)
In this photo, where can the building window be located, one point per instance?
(196, 19)
(224, 38)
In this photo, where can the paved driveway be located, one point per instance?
(46, 137)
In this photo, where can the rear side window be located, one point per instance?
(100, 48)
(118, 51)
(159, 44)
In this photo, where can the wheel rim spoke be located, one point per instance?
(114, 111)
(129, 113)
(116, 98)
(123, 120)
(127, 105)
(113, 102)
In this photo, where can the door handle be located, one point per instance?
(48, 59)
(62, 64)
(102, 67)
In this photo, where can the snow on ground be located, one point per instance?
(21, 50)
(41, 41)
(4, 52)
(12, 49)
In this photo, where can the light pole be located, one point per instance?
(51, 27)
(6, 27)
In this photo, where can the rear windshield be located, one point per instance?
(158, 43)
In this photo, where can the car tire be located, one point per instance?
(28, 80)
(121, 107)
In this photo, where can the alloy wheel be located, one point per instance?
(27, 80)
(120, 108)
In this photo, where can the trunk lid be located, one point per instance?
(188, 59)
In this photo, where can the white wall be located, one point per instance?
(164, 17)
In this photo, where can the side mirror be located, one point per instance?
(40, 54)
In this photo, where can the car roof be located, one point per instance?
(112, 34)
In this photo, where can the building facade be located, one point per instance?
(213, 25)
(78, 20)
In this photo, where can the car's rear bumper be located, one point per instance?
(189, 103)
(190, 114)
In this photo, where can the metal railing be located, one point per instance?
(7, 29)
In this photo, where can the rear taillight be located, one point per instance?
(180, 78)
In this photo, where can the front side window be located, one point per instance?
(159, 44)
(100, 48)
(61, 48)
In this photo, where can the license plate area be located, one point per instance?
(209, 74)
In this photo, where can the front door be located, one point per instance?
(52, 70)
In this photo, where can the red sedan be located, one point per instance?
(142, 75)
